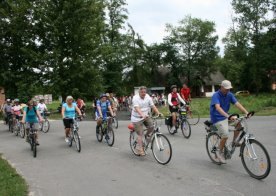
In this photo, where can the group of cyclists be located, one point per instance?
(142, 105)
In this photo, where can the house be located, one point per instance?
(152, 90)
(211, 84)
(2, 95)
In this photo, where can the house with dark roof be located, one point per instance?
(211, 84)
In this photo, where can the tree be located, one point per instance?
(114, 45)
(252, 16)
(18, 49)
(70, 36)
(193, 43)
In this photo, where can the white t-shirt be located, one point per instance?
(41, 107)
(144, 105)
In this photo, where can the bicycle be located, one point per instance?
(157, 142)
(73, 135)
(45, 125)
(182, 122)
(32, 139)
(10, 122)
(192, 115)
(106, 129)
(252, 152)
(18, 127)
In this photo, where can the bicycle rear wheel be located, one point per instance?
(109, 136)
(16, 129)
(45, 126)
(77, 140)
(115, 123)
(22, 130)
(186, 128)
(255, 159)
(161, 149)
(193, 117)
(133, 142)
(99, 133)
(212, 145)
(34, 147)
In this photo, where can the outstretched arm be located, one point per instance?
(241, 108)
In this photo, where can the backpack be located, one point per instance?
(29, 110)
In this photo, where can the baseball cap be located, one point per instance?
(226, 84)
(107, 94)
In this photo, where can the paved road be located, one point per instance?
(100, 170)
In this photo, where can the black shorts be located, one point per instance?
(173, 109)
(67, 122)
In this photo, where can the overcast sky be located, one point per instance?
(148, 17)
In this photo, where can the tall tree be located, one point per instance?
(193, 42)
(70, 36)
(113, 50)
(252, 16)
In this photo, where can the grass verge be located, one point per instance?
(11, 183)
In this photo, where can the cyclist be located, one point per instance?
(113, 102)
(103, 106)
(185, 93)
(174, 99)
(42, 108)
(142, 105)
(81, 106)
(31, 116)
(16, 110)
(219, 107)
(68, 113)
(7, 110)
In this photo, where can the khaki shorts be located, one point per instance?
(139, 126)
(35, 126)
(223, 127)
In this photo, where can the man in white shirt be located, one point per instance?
(142, 105)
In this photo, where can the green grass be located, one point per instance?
(11, 183)
(263, 105)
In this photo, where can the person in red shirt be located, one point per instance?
(186, 93)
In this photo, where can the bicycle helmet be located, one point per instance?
(173, 86)
(103, 95)
(16, 100)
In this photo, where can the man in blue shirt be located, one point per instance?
(103, 106)
(219, 107)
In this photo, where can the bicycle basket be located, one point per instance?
(182, 111)
(168, 120)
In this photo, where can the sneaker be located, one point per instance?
(67, 140)
(220, 157)
(37, 143)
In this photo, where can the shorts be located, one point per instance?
(223, 127)
(68, 122)
(139, 128)
(35, 126)
(172, 110)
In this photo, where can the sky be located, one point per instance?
(149, 17)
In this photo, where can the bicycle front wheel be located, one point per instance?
(212, 145)
(255, 159)
(99, 133)
(45, 126)
(77, 140)
(115, 122)
(186, 128)
(16, 129)
(161, 149)
(193, 117)
(133, 142)
(22, 130)
(110, 137)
